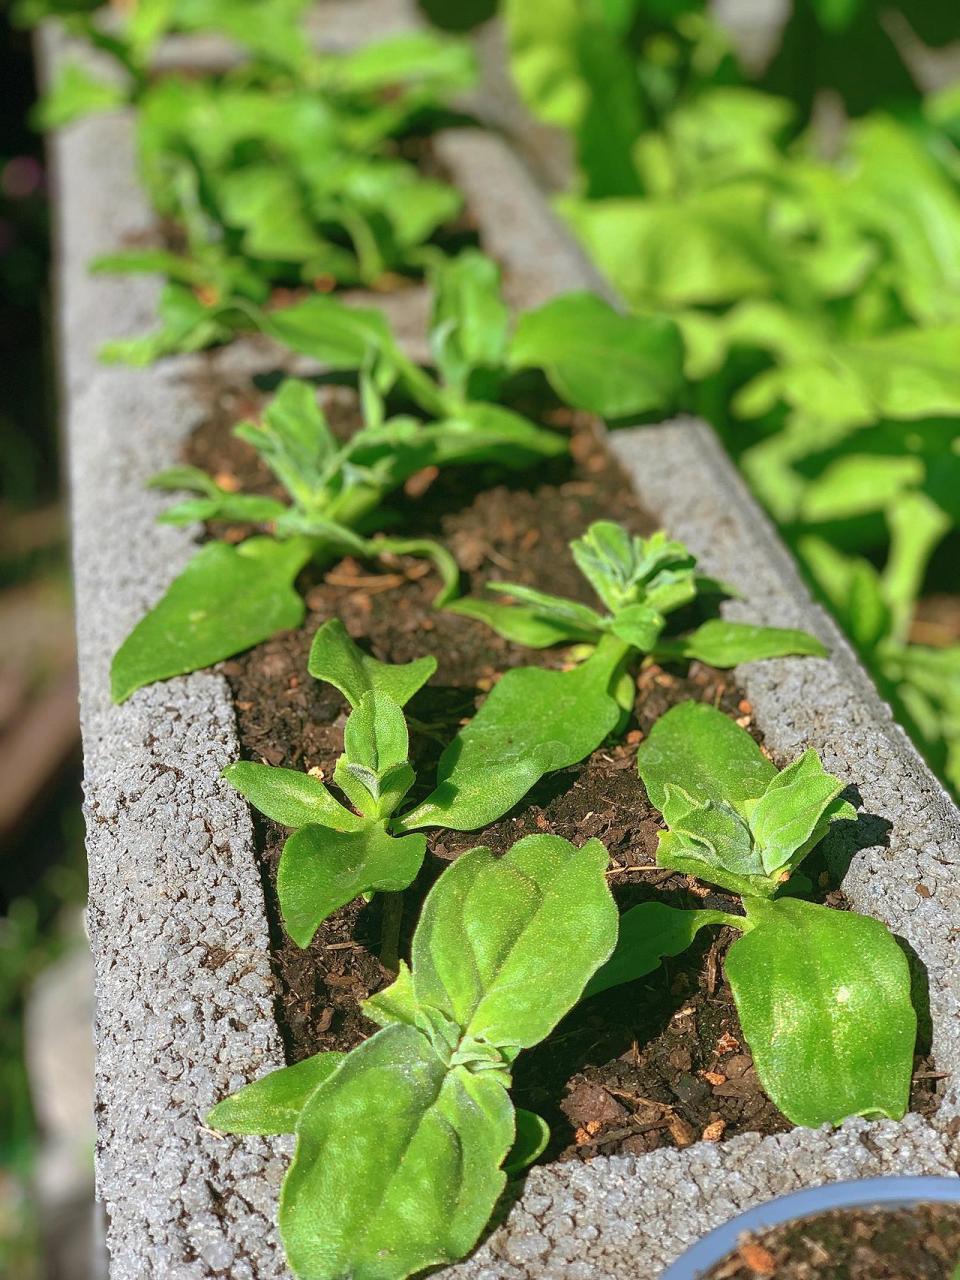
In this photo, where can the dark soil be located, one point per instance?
(661, 1062)
(922, 1243)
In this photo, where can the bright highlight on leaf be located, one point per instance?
(417, 1121)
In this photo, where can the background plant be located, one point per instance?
(799, 220)
(491, 974)
(823, 995)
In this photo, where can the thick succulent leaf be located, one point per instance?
(226, 599)
(492, 929)
(288, 796)
(791, 809)
(470, 320)
(530, 1142)
(273, 1103)
(649, 932)
(824, 1003)
(598, 359)
(397, 1165)
(726, 644)
(699, 749)
(335, 658)
(322, 869)
(532, 723)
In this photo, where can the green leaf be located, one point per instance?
(288, 796)
(533, 722)
(247, 508)
(184, 477)
(717, 838)
(186, 325)
(374, 770)
(322, 870)
(480, 432)
(335, 658)
(492, 927)
(470, 320)
(336, 336)
(273, 1103)
(791, 809)
(599, 360)
(649, 932)
(294, 440)
(397, 1165)
(523, 624)
(639, 625)
(824, 1003)
(701, 750)
(76, 93)
(530, 1142)
(726, 644)
(705, 248)
(227, 599)
(538, 620)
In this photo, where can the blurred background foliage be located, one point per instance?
(782, 181)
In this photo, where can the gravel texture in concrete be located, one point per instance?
(177, 919)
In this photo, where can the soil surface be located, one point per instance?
(661, 1062)
(922, 1243)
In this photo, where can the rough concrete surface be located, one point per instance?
(184, 1008)
(182, 974)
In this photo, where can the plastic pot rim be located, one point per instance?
(860, 1193)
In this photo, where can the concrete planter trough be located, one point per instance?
(173, 876)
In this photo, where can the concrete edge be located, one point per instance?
(174, 908)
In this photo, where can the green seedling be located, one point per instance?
(230, 597)
(404, 1144)
(536, 721)
(336, 853)
(823, 995)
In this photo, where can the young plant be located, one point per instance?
(641, 581)
(536, 721)
(823, 995)
(336, 853)
(405, 1143)
(230, 597)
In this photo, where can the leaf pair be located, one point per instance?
(232, 597)
(336, 853)
(401, 1143)
(823, 995)
(641, 581)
